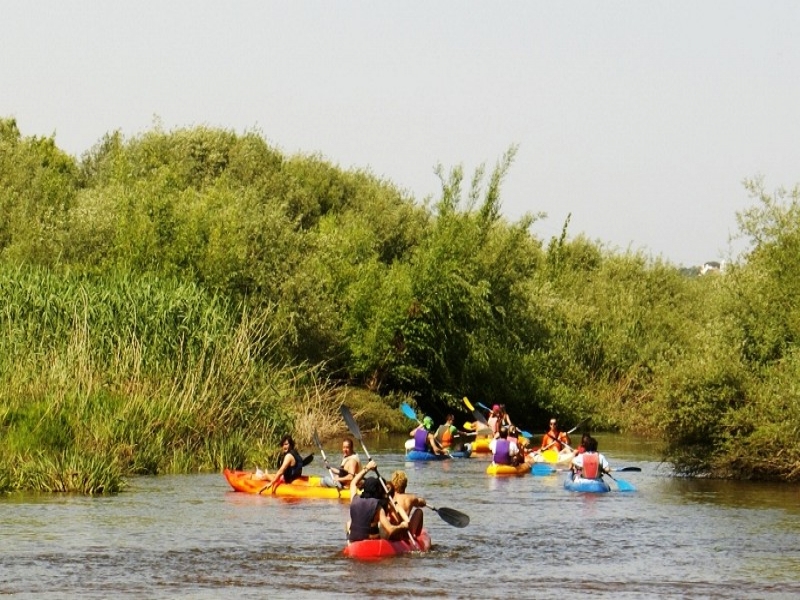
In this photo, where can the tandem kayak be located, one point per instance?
(377, 549)
(592, 486)
(506, 470)
(304, 487)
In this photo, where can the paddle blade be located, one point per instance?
(480, 418)
(550, 456)
(468, 404)
(451, 516)
(623, 485)
(415, 523)
(628, 470)
(408, 411)
(350, 422)
(317, 442)
(542, 469)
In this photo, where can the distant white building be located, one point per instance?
(712, 266)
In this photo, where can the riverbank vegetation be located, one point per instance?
(176, 301)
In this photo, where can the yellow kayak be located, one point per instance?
(506, 470)
(304, 487)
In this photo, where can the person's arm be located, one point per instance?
(288, 461)
(359, 476)
(387, 525)
(347, 471)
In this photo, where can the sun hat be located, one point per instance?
(427, 422)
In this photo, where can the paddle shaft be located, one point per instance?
(327, 465)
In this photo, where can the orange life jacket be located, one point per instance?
(591, 465)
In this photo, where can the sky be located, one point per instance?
(639, 119)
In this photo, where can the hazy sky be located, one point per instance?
(640, 118)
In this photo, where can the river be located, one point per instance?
(190, 536)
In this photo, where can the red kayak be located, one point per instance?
(377, 549)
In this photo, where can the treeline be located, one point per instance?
(203, 263)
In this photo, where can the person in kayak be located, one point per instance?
(554, 438)
(348, 468)
(504, 451)
(590, 464)
(368, 511)
(402, 500)
(424, 440)
(449, 437)
(289, 464)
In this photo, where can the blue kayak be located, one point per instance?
(592, 486)
(417, 455)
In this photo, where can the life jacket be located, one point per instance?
(501, 455)
(554, 442)
(362, 515)
(446, 439)
(591, 465)
(421, 440)
(293, 472)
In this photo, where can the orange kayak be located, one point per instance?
(304, 487)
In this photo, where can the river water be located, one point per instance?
(192, 537)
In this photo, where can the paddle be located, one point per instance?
(325, 460)
(545, 469)
(622, 485)
(409, 412)
(448, 515)
(306, 461)
(451, 516)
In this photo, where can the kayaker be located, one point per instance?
(554, 438)
(494, 420)
(590, 464)
(504, 451)
(446, 433)
(424, 440)
(348, 468)
(406, 502)
(289, 464)
(368, 511)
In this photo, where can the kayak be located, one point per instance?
(417, 455)
(592, 486)
(304, 487)
(377, 549)
(505, 470)
(481, 446)
(551, 456)
(465, 453)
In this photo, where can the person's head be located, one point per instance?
(504, 432)
(372, 488)
(450, 419)
(591, 445)
(347, 446)
(553, 423)
(399, 481)
(427, 423)
(287, 443)
(496, 409)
